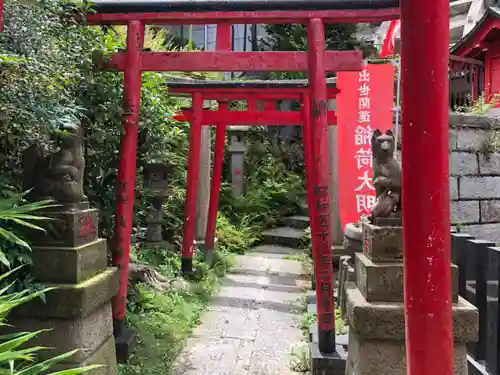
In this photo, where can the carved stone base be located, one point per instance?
(69, 265)
(77, 313)
(77, 316)
(384, 281)
(382, 244)
(86, 333)
(367, 357)
(73, 300)
(105, 356)
(68, 228)
(377, 334)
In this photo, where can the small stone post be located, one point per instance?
(203, 197)
(375, 309)
(156, 184)
(237, 149)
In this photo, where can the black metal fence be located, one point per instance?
(478, 264)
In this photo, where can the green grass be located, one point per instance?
(164, 321)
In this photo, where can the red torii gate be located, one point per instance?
(426, 216)
(265, 93)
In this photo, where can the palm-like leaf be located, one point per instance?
(14, 211)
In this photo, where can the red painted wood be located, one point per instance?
(228, 61)
(223, 42)
(262, 17)
(228, 94)
(474, 40)
(258, 118)
(252, 103)
(220, 138)
(426, 200)
(320, 232)
(1, 15)
(494, 75)
(308, 161)
(192, 184)
(269, 106)
(487, 76)
(126, 172)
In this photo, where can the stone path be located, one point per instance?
(253, 321)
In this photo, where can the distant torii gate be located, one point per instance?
(426, 216)
(261, 98)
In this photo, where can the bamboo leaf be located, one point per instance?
(4, 260)
(45, 365)
(18, 341)
(11, 237)
(25, 224)
(7, 274)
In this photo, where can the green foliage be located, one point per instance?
(232, 238)
(17, 216)
(294, 38)
(479, 106)
(12, 211)
(272, 191)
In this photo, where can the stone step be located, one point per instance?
(298, 222)
(274, 251)
(283, 236)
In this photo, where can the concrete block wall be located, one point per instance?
(475, 174)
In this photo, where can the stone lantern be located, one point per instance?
(237, 149)
(156, 179)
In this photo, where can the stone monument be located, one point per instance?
(375, 309)
(70, 257)
(386, 178)
(237, 149)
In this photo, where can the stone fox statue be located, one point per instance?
(386, 176)
(57, 176)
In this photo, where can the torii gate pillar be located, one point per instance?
(426, 212)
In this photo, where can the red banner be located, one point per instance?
(364, 104)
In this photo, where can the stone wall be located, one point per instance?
(475, 174)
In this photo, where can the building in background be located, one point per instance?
(464, 15)
(244, 37)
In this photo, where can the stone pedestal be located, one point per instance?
(77, 314)
(375, 309)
